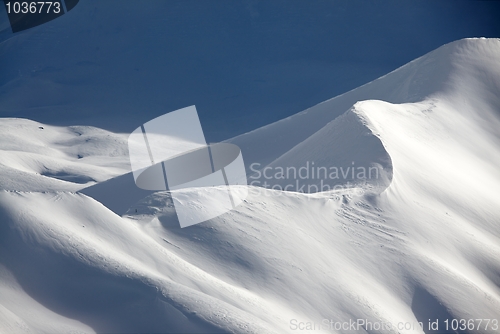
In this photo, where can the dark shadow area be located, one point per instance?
(169, 220)
(428, 310)
(80, 179)
(117, 194)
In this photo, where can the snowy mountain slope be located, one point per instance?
(433, 232)
(92, 265)
(37, 157)
(444, 193)
(344, 153)
(425, 245)
(293, 249)
(424, 77)
(20, 313)
(297, 140)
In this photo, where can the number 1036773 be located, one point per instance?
(34, 7)
(471, 324)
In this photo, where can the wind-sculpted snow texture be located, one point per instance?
(421, 242)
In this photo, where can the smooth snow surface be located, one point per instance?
(422, 242)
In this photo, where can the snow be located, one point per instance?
(39, 157)
(423, 241)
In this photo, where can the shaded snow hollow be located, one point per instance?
(422, 243)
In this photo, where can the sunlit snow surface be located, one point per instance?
(427, 239)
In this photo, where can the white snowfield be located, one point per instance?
(423, 244)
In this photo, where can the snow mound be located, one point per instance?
(342, 154)
(38, 157)
(92, 265)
